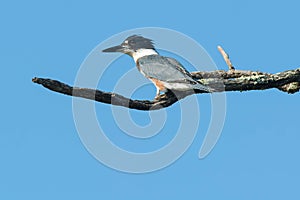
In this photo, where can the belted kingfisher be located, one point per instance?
(166, 73)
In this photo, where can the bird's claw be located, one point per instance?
(157, 97)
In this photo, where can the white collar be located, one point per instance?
(143, 52)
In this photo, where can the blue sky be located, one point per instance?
(42, 157)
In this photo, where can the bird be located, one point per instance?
(165, 73)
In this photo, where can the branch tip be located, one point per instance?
(35, 79)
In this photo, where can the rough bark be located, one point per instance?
(219, 81)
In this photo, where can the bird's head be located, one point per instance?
(131, 45)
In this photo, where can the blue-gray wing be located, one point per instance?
(164, 69)
(169, 71)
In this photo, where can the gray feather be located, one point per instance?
(167, 70)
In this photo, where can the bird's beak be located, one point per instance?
(119, 48)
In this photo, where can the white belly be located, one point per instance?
(177, 86)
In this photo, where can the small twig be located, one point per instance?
(226, 58)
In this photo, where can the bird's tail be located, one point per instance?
(199, 86)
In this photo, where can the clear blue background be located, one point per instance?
(42, 157)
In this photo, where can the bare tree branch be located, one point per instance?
(219, 81)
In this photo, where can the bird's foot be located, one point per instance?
(160, 97)
(157, 97)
